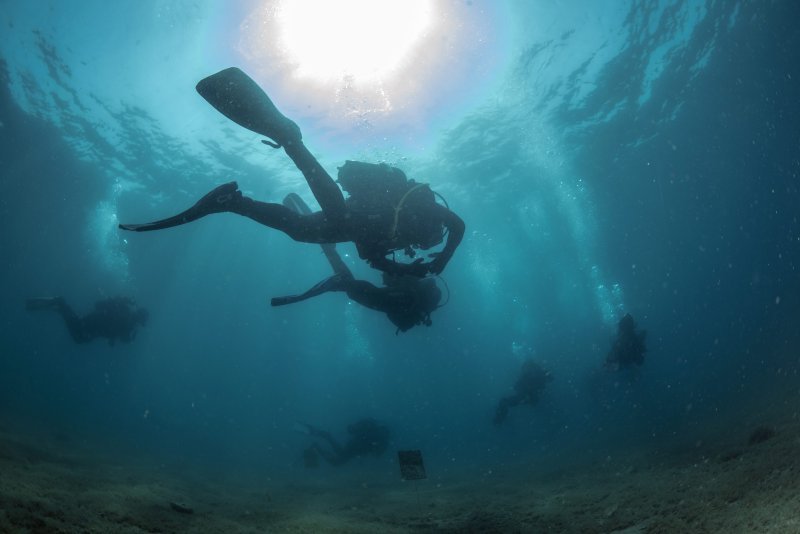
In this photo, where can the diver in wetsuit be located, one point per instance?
(406, 300)
(366, 437)
(529, 386)
(112, 318)
(409, 218)
(628, 348)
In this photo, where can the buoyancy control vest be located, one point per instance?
(381, 193)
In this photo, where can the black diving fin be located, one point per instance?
(336, 282)
(234, 94)
(218, 200)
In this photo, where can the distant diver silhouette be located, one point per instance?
(367, 437)
(527, 389)
(112, 318)
(379, 220)
(628, 348)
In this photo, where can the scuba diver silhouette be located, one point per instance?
(112, 318)
(527, 389)
(384, 213)
(628, 347)
(366, 437)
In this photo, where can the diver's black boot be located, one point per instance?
(220, 199)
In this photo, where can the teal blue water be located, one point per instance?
(607, 157)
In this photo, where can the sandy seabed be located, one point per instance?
(724, 482)
(727, 487)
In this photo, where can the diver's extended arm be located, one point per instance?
(455, 233)
(419, 268)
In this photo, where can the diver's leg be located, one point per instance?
(337, 449)
(314, 228)
(336, 455)
(376, 298)
(336, 261)
(367, 295)
(323, 187)
(336, 282)
(226, 198)
(238, 97)
(501, 412)
(73, 322)
(332, 458)
(297, 204)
